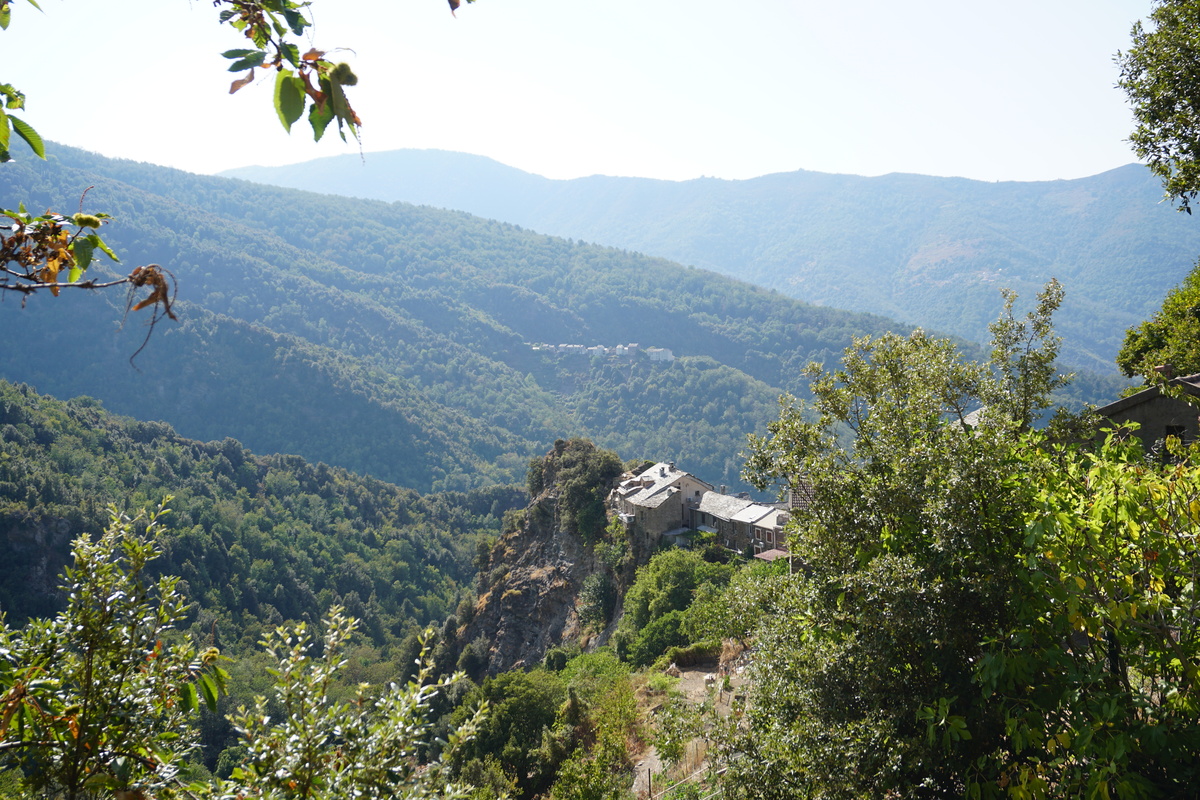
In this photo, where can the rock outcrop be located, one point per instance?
(529, 590)
(535, 574)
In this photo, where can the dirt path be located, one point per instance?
(648, 770)
(699, 686)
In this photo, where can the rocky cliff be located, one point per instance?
(529, 598)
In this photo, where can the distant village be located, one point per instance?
(620, 351)
(666, 503)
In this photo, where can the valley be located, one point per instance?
(434, 423)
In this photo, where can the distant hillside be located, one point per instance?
(396, 341)
(929, 251)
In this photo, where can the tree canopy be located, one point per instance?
(1160, 73)
(103, 698)
(1170, 337)
(984, 610)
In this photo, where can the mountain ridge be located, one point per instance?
(927, 250)
(394, 340)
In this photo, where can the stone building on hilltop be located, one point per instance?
(658, 499)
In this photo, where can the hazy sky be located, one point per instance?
(1022, 90)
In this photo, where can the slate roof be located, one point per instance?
(658, 498)
(722, 506)
(1189, 383)
(644, 489)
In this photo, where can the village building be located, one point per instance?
(1159, 415)
(664, 502)
(660, 354)
(658, 499)
(740, 523)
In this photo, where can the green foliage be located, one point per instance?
(735, 611)
(662, 590)
(676, 724)
(564, 733)
(522, 707)
(1170, 337)
(1159, 75)
(597, 600)
(32, 257)
(319, 747)
(601, 771)
(46, 242)
(912, 548)
(656, 637)
(256, 540)
(932, 252)
(1023, 359)
(594, 674)
(99, 699)
(581, 475)
(14, 99)
(1096, 675)
(668, 583)
(300, 79)
(394, 340)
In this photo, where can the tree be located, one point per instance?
(101, 696)
(581, 476)
(910, 545)
(1161, 76)
(522, 708)
(101, 699)
(365, 747)
(1095, 677)
(40, 251)
(1170, 337)
(668, 583)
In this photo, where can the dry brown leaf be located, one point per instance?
(240, 82)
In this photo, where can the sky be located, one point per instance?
(1022, 90)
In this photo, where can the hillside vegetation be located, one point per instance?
(257, 539)
(929, 251)
(396, 341)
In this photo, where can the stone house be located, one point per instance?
(659, 499)
(1159, 415)
(740, 523)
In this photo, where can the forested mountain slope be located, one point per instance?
(395, 340)
(258, 539)
(929, 251)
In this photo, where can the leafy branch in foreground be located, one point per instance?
(103, 698)
(100, 697)
(37, 252)
(38, 248)
(301, 80)
(367, 747)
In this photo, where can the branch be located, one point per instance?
(30, 288)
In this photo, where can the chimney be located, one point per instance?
(671, 465)
(723, 488)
